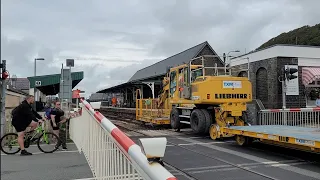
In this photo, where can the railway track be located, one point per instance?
(185, 173)
(125, 120)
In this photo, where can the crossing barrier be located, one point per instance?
(110, 153)
(303, 117)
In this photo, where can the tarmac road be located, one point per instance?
(193, 157)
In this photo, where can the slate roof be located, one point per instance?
(22, 83)
(159, 68)
(98, 97)
(12, 89)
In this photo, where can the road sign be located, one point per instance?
(70, 62)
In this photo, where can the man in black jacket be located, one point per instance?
(24, 116)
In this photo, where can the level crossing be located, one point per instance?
(101, 150)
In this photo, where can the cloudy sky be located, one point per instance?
(110, 40)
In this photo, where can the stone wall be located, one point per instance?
(265, 85)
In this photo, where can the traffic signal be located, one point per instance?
(4, 73)
(288, 73)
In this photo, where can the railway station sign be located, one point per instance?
(37, 83)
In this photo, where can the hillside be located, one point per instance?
(304, 35)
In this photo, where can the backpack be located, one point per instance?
(47, 113)
(13, 111)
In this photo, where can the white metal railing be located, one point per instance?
(303, 117)
(110, 153)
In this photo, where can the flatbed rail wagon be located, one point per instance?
(301, 138)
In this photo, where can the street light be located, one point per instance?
(35, 74)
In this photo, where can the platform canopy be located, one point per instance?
(310, 74)
(50, 84)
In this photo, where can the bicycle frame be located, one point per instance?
(39, 130)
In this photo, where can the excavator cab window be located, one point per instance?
(196, 73)
(173, 82)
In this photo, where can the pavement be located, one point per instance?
(60, 165)
(195, 157)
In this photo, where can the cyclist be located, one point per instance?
(24, 116)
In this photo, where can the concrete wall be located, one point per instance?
(13, 99)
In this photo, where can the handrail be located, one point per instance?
(154, 171)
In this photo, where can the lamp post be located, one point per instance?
(35, 74)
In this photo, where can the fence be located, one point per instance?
(109, 152)
(304, 117)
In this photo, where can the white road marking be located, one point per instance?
(258, 159)
(267, 164)
(56, 152)
(191, 144)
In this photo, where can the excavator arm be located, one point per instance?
(163, 93)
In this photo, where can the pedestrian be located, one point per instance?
(57, 118)
(318, 101)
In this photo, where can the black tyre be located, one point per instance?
(198, 121)
(175, 119)
(10, 142)
(208, 120)
(49, 136)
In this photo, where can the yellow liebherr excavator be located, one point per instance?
(190, 95)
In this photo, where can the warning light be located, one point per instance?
(4, 75)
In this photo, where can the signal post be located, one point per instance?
(287, 75)
(4, 76)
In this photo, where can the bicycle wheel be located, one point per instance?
(45, 139)
(10, 142)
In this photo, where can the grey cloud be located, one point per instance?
(91, 31)
(125, 73)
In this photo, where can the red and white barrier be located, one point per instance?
(109, 152)
(303, 117)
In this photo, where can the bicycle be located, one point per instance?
(29, 138)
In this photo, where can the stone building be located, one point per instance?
(265, 67)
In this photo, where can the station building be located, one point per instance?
(47, 86)
(266, 66)
(149, 79)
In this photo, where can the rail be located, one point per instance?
(110, 153)
(303, 117)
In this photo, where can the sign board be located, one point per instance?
(76, 94)
(37, 83)
(232, 84)
(292, 85)
(70, 62)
